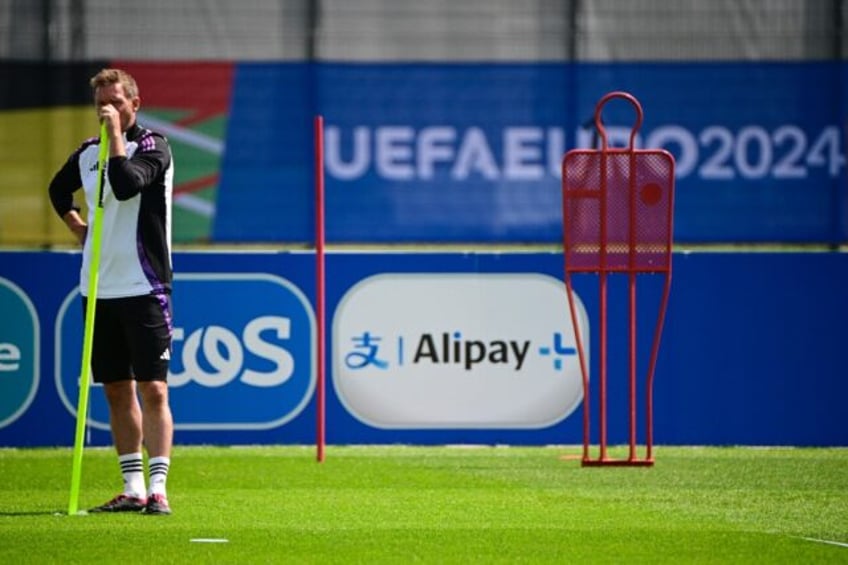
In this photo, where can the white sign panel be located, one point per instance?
(458, 351)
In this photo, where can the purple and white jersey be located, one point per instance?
(135, 253)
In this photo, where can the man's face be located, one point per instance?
(114, 94)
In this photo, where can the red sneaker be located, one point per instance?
(122, 503)
(157, 504)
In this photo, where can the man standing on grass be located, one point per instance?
(133, 324)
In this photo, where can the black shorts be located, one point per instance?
(132, 338)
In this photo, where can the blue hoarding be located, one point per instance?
(472, 152)
(477, 349)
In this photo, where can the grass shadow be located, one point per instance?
(33, 513)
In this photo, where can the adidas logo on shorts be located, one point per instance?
(166, 355)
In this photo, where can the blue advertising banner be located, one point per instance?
(441, 348)
(244, 362)
(472, 152)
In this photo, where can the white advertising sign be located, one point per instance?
(458, 351)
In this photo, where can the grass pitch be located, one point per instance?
(447, 505)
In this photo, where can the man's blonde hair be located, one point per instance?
(108, 77)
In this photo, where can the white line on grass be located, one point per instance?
(209, 540)
(827, 541)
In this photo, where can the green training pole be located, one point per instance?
(96, 232)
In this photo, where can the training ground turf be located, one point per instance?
(446, 505)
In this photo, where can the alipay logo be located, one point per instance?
(458, 351)
(242, 353)
(450, 348)
(19, 339)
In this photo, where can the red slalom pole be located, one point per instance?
(320, 288)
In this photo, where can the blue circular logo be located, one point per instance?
(18, 352)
